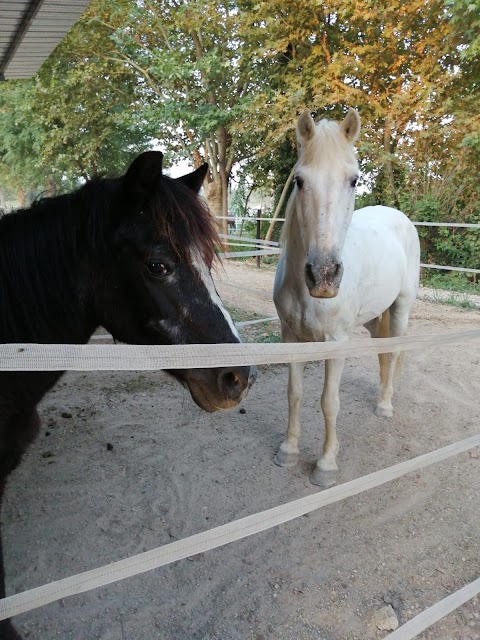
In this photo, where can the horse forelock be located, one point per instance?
(328, 146)
(184, 220)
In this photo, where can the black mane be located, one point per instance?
(38, 247)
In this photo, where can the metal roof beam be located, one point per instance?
(28, 15)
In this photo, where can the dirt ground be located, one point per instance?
(126, 462)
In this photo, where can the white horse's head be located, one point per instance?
(325, 175)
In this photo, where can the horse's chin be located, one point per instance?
(205, 399)
(324, 291)
(217, 389)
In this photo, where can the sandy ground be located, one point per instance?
(171, 471)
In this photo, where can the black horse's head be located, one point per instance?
(157, 286)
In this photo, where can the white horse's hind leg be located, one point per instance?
(325, 472)
(287, 455)
(398, 327)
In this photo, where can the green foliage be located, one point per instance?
(452, 281)
(89, 106)
(80, 116)
(21, 137)
(466, 18)
(198, 81)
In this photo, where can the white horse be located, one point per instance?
(338, 270)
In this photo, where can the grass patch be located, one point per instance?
(263, 332)
(240, 315)
(459, 282)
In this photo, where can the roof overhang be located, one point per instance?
(30, 30)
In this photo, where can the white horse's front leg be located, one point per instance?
(287, 455)
(325, 472)
(388, 363)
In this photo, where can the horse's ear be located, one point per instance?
(144, 172)
(305, 127)
(195, 179)
(351, 125)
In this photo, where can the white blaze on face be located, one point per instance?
(207, 280)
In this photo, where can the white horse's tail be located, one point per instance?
(384, 332)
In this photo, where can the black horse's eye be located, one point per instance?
(157, 268)
(299, 181)
(353, 182)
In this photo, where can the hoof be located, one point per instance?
(383, 412)
(323, 478)
(286, 458)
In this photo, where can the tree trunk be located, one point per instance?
(224, 193)
(279, 206)
(51, 187)
(214, 197)
(21, 197)
(387, 147)
(3, 204)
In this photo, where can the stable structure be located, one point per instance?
(30, 30)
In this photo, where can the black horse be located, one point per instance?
(131, 254)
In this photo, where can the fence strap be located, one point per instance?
(219, 536)
(247, 254)
(465, 225)
(254, 241)
(433, 614)
(129, 357)
(459, 225)
(446, 268)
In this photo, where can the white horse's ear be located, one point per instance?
(305, 127)
(351, 125)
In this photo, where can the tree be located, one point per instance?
(80, 116)
(89, 106)
(197, 81)
(20, 141)
(396, 62)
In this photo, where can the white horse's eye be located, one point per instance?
(353, 182)
(299, 181)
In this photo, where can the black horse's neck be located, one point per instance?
(45, 266)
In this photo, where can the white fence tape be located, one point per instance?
(433, 614)
(129, 357)
(439, 266)
(219, 536)
(250, 240)
(251, 245)
(460, 225)
(248, 219)
(248, 254)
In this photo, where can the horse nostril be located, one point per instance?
(232, 382)
(336, 269)
(309, 277)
